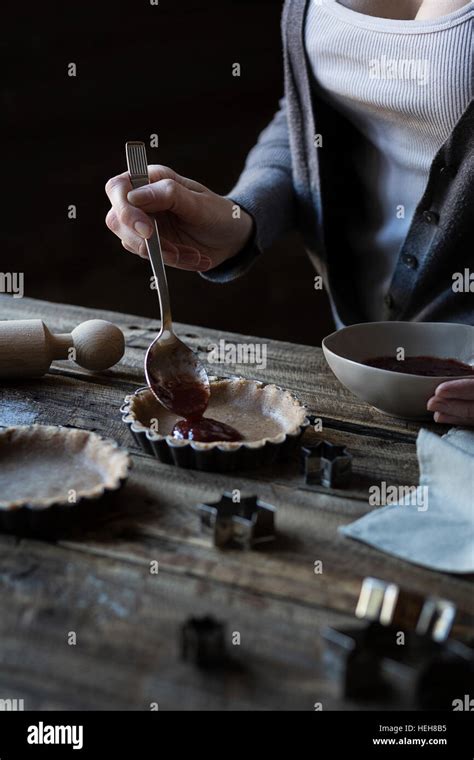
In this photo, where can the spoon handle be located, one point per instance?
(155, 253)
(138, 169)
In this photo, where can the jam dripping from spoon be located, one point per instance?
(189, 400)
(186, 398)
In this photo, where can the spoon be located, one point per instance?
(174, 373)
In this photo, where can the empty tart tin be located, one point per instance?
(270, 419)
(56, 479)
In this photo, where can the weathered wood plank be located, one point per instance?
(158, 515)
(64, 400)
(127, 624)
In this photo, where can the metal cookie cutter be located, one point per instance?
(352, 658)
(244, 523)
(402, 652)
(388, 604)
(429, 675)
(371, 663)
(203, 641)
(327, 464)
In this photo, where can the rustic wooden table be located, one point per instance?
(125, 618)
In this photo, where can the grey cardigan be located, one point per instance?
(289, 184)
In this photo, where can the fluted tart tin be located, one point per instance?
(56, 479)
(271, 420)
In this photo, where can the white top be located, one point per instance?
(404, 84)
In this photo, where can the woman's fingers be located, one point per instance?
(453, 407)
(190, 258)
(166, 195)
(126, 214)
(157, 172)
(462, 388)
(130, 208)
(168, 191)
(184, 257)
(453, 402)
(187, 212)
(447, 419)
(138, 246)
(130, 240)
(175, 255)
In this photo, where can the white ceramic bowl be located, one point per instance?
(395, 393)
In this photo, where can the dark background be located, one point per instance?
(141, 69)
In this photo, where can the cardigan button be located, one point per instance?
(431, 217)
(410, 261)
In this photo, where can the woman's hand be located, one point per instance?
(198, 229)
(453, 402)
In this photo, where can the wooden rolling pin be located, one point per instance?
(27, 346)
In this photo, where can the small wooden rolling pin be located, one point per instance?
(27, 346)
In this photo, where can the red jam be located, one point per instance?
(429, 366)
(187, 399)
(190, 400)
(205, 430)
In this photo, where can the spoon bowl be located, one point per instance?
(176, 376)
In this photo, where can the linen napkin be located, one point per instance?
(434, 527)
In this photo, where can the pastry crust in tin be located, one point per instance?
(268, 417)
(41, 466)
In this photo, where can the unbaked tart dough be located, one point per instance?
(41, 464)
(261, 413)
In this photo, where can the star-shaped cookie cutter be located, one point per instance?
(403, 652)
(389, 604)
(327, 464)
(242, 523)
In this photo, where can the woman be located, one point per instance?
(370, 156)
